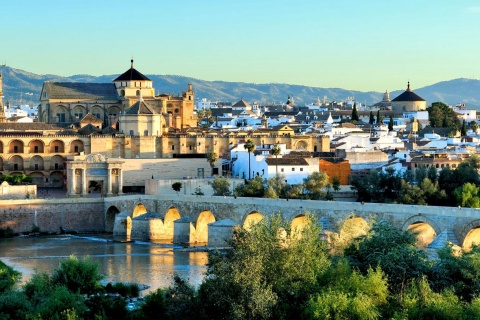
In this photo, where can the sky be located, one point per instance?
(373, 45)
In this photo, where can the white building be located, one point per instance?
(263, 164)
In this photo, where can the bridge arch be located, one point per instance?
(139, 210)
(470, 235)
(112, 211)
(252, 219)
(298, 224)
(201, 227)
(351, 228)
(171, 215)
(425, 230)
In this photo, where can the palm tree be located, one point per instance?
(212, 157)
(249, 146)
(276, 152)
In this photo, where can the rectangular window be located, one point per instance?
(56, 148)
(293, 169)
(145, 132)
(281, 170)
(173, 147)
(36, 166)
(301, 169)
(131, 132)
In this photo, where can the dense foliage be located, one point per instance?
(16, 179)
(450, 187)
(276, 270)
(313, 187)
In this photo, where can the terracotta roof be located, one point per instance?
(82, 91)
(241, 104)
(140, 107)
(89, 129)
(131, 75)
(286, 161)
(27, 126)
(90, 118)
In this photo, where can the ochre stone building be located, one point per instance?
(121, 120)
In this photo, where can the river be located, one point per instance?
(148, 263)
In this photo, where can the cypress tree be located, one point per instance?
(464, 128)
(372, 118)
(354, 112)
(379, 117)
(390, 124)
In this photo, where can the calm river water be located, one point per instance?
(138, 262)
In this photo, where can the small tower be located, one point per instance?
(2, 109)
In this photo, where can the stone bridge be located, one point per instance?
(189, 218)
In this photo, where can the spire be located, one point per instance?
(408, 87)
(132, 63)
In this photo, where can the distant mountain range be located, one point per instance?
(24, 87)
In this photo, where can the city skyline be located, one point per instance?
(373, 46)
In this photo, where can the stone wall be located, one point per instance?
(10, 192)
(53, 216)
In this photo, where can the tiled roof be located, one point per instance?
(109, 130)
(408, 95)
(140, 107)
(241, 104)
(286, 161)
(82, 91)
(90, 118)
(89, 129)
(27, 126)
(132, 75)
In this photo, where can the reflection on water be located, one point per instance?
(144, 263)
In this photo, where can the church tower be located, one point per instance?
(2, 109)
(130, 83)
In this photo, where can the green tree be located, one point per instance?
(420, 173)
(372, 118)
(269, 273)
(391, 249)
(347, 294)
(354, 113)
(314, 185)
(432, 173)
(177, 186)
(8, 277)
(336, 183)
(249, 146)
(441, 115)
(276, 152)
(180, 300)
(379, 117)
(473, 125)
(212, 157)
(467, 195)
(463, 131)
(221, 186)
(390, 123)
(253, 188)
(80, 276)
(276, 187)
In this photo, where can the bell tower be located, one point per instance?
(2, 109)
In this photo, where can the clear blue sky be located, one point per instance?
(373, 45)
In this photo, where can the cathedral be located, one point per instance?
(138, 134)
(128, 105)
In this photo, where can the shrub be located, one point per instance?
(8, 277)
(78, 275)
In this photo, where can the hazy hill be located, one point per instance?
(19, 85)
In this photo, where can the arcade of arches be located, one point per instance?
(197, 226)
